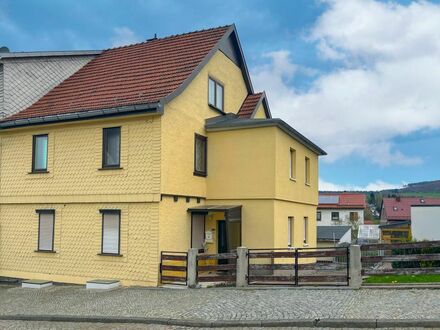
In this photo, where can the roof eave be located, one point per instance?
(155, 108)
(255, 123)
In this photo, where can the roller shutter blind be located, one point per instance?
(110, 232)
(46, 230)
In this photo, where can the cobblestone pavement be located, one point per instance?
(223, 303)
(26, 325)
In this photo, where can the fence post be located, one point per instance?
(242, 266)
(355, 267)
(192, 267)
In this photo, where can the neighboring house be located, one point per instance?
(26, 76)
(425, 221)
(341, 209)
(330, 236)
(157, 146)
(396, 218)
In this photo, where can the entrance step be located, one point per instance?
(102, 284)
(36, 284)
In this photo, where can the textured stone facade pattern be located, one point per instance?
(75, 161)
(78, 242)
(27, 79)
(76, 188)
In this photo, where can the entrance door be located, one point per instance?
(222, 239)
(197, 231)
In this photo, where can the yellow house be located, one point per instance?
(158, 146)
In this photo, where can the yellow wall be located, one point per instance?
(186, 114)
(260, 113)
(77, 189)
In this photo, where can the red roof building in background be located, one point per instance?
(341, 209)
(399, 208)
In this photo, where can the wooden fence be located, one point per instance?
(401, 258)
(217, 268)
(309, 266)
(173, 267)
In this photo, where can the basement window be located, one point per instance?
(46, 229)
(39, 153)
(215, 94)
(111, 232)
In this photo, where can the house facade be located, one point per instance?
(158, 146)
(425, 221)
(341, 209)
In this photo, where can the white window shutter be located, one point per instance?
(110, 234)
(46, 228)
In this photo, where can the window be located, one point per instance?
(200, 148)
(289, 231)
(111, 222)
(306, 229)
(354, 216)
(46, 227)
(318, 216)
(307, 170)
(215, 94)
(292, 163)
(111, 147)
(335, 216)
(39, 153)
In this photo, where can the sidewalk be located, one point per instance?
(223, 307)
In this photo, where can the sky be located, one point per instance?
(360, 78)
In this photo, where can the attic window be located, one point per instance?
(394, 208)
(422, 201)
(215, 94)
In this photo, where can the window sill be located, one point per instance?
(110, 255)
(110, 168)
(307, 184)
(45, 251)
(203, 174)
(292, 179)
(213, 107)
(39, 172)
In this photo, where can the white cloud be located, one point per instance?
(123, 36)
(385, 86)
(372, 186)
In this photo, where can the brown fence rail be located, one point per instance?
(401, 258)
(173, 267)
(309, 266)
(217, 268)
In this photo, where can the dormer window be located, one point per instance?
(394, 208)
(215, 94)
(422, 201)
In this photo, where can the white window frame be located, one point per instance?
(306, 229)
(115, 251)
(50, 234)
(290, 224)
(292, 169)
(307, 170)
(217, 84)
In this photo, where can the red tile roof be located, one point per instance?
(249, 105)
(131, 75)
(345, 201)
(399, 208)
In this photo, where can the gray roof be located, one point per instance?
(5, 55)
(230, 121)
(329, 233)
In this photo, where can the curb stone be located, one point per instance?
(200, 323)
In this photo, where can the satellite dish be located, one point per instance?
(4, 49)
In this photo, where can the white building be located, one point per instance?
(425, 221)
(340, 209)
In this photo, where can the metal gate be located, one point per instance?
(300, 266)
(173, 267)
